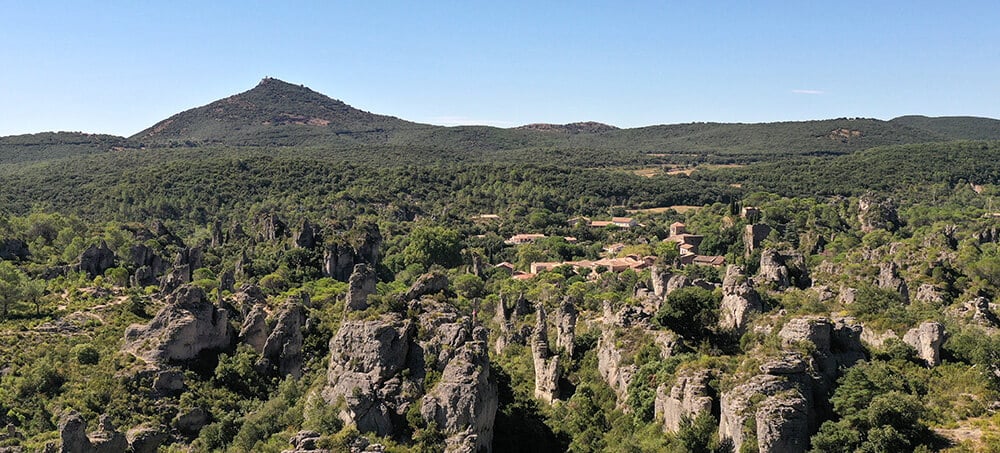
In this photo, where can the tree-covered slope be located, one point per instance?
(954, 127)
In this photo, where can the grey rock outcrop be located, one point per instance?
(546, 364)
(611, 365)
(145, 439)
(988, 235)
(779, 401)
(186, 326)
(378, 367)
(338, 260)
(877, 213)
(306, 236)
(888, 278)
(660, 277)
(427, 284)
(96, 259)
(191, 421)
(141, 256)
(305, 442)
(283, 348)
(218, 238)
(566, 326)
(366, 358)
(927, 339)
(255, 330)
(689, 396)
(928, 293)
(360, 286)
(178, 276)
(739, 300)
(74, 437)
(772, 269)
(271, 228)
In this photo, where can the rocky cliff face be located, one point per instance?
(566, 326)
(186, 326)
(927, 339)
(378, 367)
(778, 401)
(546, 364)
(783, 269)
(75, 439)
(283, 347)
(96, 259)
(739, 300)
(888, 278)
(877, 213)
(360, 286)
(688, 397)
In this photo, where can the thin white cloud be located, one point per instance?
(463, 121)
(812, 92)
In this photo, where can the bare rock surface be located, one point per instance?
(927, 339)
(186, 326)
(688, 397)
(739, 300)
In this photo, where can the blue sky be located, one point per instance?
(120, 66)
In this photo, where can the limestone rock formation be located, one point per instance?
(739, 300)
(145, 439)
(429, 283)
(191, 421)
(74, 437)
(141, 256)
(688, 397)
(270, 228)
(283, 348)
(876, 213)
(254, 331)
(96, 259)
(186, 326)
(378, 367)
(338, 260)
(179, 275)
(546, 364)
(779, 403)
(660, 276)
(307, 235)
(928, 293)
(611, 364)
(566, 326)
(305, 442)
(927, 339)
(360, 286)
(888, 278)
(773, 270)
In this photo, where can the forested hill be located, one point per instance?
(954, 127)
(19, 149)
(274, 113)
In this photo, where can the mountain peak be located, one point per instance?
(274, 112)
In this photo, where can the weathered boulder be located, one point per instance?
(813, 330)
(877, 213)
(145, 438)
(366, 358)
(927, 339)
(254, 331)
(847, 295)
(888, 278)
(689, 396)
(378, 368)
(360, 286)
(107, 439)
(74, 437)
(283, 348)
(270, 228)
(168, 381)
(546, 364)
(427, 284)
(191, 421)
(96, 259)
(739, 300)
(73, 434)
(188, 325)
(305, 442)
(464, 402)
(306, 236)
(13, 249)
(141, 255)
(772, 269)
(338, 261)
(930, 294)
(660, 275)
(566, 326)
(368, 243)
(987, 235)
(779, 401)
(178, 276)
(676, 281)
